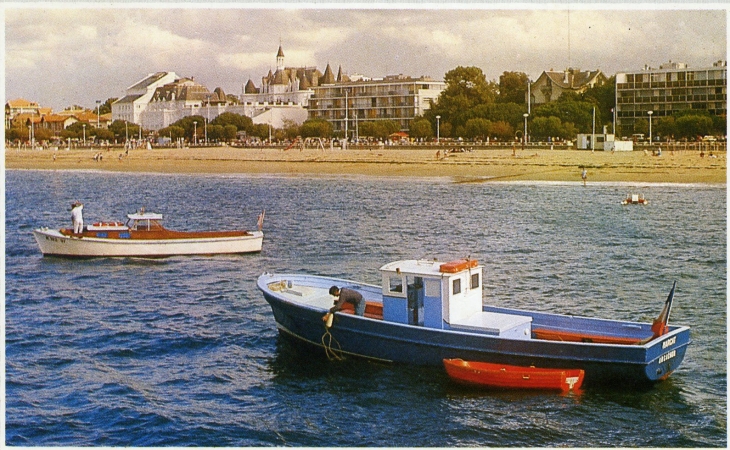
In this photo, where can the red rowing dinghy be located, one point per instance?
(513, 377)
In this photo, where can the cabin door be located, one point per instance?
(415, 300)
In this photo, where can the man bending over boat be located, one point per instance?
(347, 296)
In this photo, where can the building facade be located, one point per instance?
(286, 86)
(671, 88)
(397, 98)
(550, 85)
(130, 107)
(14, 108)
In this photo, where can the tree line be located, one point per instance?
(470, 107)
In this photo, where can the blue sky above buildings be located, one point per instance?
(60, 54)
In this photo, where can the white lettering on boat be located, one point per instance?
(667, 356)
(669, 342)
(571, 381)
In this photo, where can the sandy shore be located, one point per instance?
(534, 164)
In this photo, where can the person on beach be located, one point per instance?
(345, 295)
(77, 217)
(584, 175)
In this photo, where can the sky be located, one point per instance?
(63, 54)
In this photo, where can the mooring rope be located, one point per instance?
(332, 354)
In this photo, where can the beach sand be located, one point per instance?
(480, 165)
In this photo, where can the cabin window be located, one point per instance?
(456, 286)
(474, 280)
(396, 284)
(433, 288)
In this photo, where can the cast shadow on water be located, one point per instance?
(490, 417)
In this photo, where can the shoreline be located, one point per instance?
(479, 165)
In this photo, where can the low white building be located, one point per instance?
(605, 142)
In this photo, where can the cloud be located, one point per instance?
(53, 52)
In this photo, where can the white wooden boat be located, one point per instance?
(143, 236)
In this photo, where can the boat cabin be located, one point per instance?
(144, 221)
(444, 296)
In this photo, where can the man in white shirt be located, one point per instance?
(77, 217)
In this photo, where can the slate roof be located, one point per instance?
(572, 78)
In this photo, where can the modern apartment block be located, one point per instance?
(664, 91)
(398, 98)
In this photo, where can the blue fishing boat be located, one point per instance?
(428, 311)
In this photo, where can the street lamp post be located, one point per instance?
(613, 111)
(98, 103)
(524, 135)
(83, 126)
(207, 114)
(650, 114)
(195, 132)
(593, 135)
(438, 129)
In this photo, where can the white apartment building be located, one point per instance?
(396, 97)
(133, 104)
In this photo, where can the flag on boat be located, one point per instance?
(261, 220)
(660, 324)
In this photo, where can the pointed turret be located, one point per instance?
(280, 59)
(250, 88)
(328, 77)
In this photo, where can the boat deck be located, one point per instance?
(158, 234)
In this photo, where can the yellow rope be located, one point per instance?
(332, 354)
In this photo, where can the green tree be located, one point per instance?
(316, 128)
(477, 128)
(466, 87)
(542, 128)
(230, 132)
(665, 127)
(290, 129)
(513, 87)
(445, 130)
(215, 133)
(106, 107)
(104, 134)
(173, 132)
(192, 124)
(122, 129)
(604, 97)
(690, 126)
(421, 129)
(569, 108)
(502, 130)
(261, 131)
(242, 123)
(16, 132)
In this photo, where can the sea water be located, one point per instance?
(184, 351)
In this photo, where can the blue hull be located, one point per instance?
(628, 365)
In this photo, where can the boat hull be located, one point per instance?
(55, 243)
(513, 377)
(628, 365)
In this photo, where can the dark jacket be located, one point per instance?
(349, 296)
